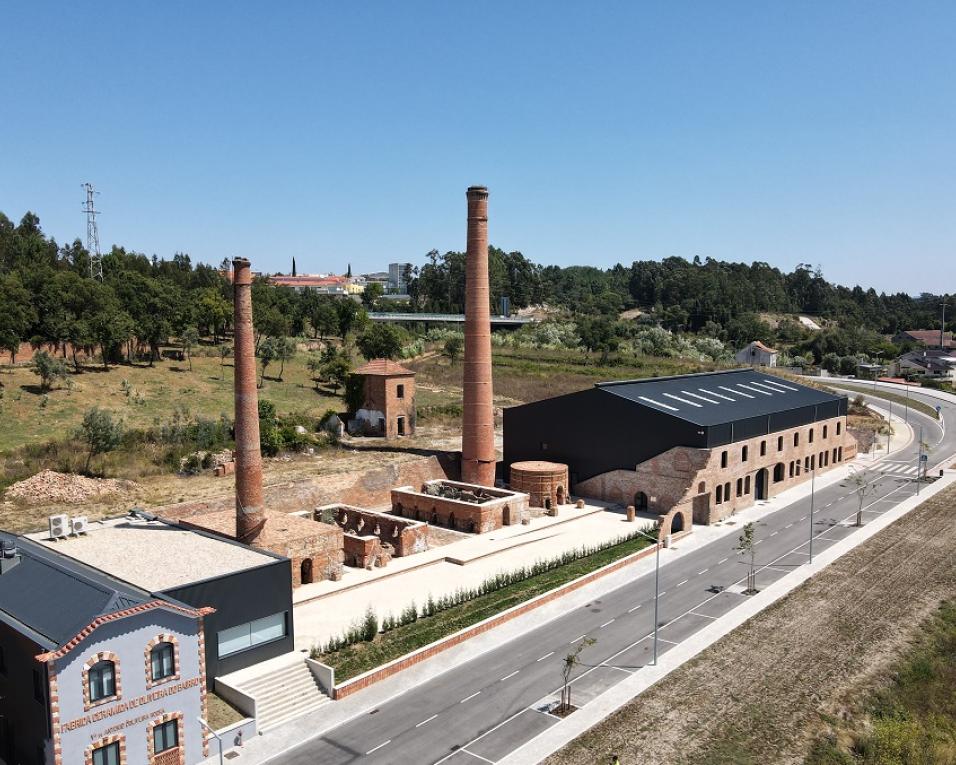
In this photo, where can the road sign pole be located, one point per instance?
(813, 481)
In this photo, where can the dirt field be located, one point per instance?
(761, 694)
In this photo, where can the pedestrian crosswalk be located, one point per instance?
(898, 468)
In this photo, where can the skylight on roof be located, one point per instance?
(683, 400)
(771, 389)
(738, 392)
(780, 385)
(755, 390)
(658, 403)
(719, 395)
(702, 398)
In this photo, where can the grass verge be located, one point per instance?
(912, 718)
(360, 657)
(220, 712)
(896, 398)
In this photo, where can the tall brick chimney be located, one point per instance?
(478, 426)
(250, 518)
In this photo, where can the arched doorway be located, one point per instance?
(547, 503)
(451, 520)
(306, 571)
(778, 472)
(762, 484)
(506, 515)
(677, 523)
(559, 493)
(640, 501)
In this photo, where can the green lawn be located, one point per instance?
(896, 398)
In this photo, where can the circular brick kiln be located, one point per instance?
(546, 482)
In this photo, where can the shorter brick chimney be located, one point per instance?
(250, 518)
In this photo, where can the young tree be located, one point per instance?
(371, 293)
(336, 370)
(267, 354)
(380, 341)
(49, 368)
(453, 347)
(567, 668)
(284, 350)
(17, 314)
(224, 352)
(100, 432)
(187, 339)
(745, 546)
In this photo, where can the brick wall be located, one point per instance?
(381, 394)
(407, 537)
(475, 518)
(735, 474)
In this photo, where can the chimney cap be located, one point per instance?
(477, 190)
(239, 261)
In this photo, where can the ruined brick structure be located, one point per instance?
(388, 405)
(406, 537)
(545, 482)
(495, 508)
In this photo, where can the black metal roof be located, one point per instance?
(49, 597)
(713, 398)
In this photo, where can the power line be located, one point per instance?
(92, 234)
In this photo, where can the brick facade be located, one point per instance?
(388, 400)
(497, 508)
(406, 537)
(174, 756)
(715, 483)
(545, 482)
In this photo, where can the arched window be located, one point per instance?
(720, 494)
(162, 661)
(102, 679)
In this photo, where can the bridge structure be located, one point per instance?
(446, 318)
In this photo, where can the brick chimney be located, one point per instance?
(250, 518)
(478, 426)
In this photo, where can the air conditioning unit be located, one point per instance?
(59, 526)
(79, 524)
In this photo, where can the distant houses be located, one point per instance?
(929, 338)
(757, 354)
(932, 363)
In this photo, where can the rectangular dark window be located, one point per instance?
(779, 443)
(165, 736)
(400, 425)
(107, 755)
(38, 685)
(824, 431)
(796, 439)
(763, 448)
(102, 679)
(811, 436)
(723, 459)
(400, 391)
(162, 661)
(839, 428)
(744, 453)
(740, 487)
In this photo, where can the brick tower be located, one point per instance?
(250, 518)
(478, 426)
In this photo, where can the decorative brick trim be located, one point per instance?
(175, 756)
(120, 739)
(101, 620)
(201, 642)
(54, 697)
(159, 640)
(88, 704)
(393, 668)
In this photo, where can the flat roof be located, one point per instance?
(154, 555)
(712, 398)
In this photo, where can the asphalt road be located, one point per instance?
(485, 708)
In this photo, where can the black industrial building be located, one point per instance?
(617, 425)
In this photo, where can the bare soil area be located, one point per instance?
(762, 693)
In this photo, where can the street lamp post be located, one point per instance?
(657, 585)
(813, 481)
(216, 735)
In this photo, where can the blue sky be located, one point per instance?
(815, 132)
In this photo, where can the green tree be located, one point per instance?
(380, 341)
(597, 334)
(225, 352)
(267, 354)
(48, 368)
(371, 294)
(212, 312)
(335, 370)
(284, 350)
(17, 314)
(351, 316)
(567, 669)
(100, 432)
(453, 347)
(187, 341)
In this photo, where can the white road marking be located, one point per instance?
(384, 743)
(631, 610)
(426, 721)
(757, 542)
(706, 616)
(684, 582)
(701, 573)
(506, 677)
(804, 518)
(721, 561)
(775, 533)
(469, 698)
(788, 525)
(605, 624)
(579, 637)
(545, 656)
(662, 594)
(483, 759)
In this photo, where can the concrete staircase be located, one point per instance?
(284, 694)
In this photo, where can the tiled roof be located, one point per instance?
(383, 367)
(761, 346)
(929, 337)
